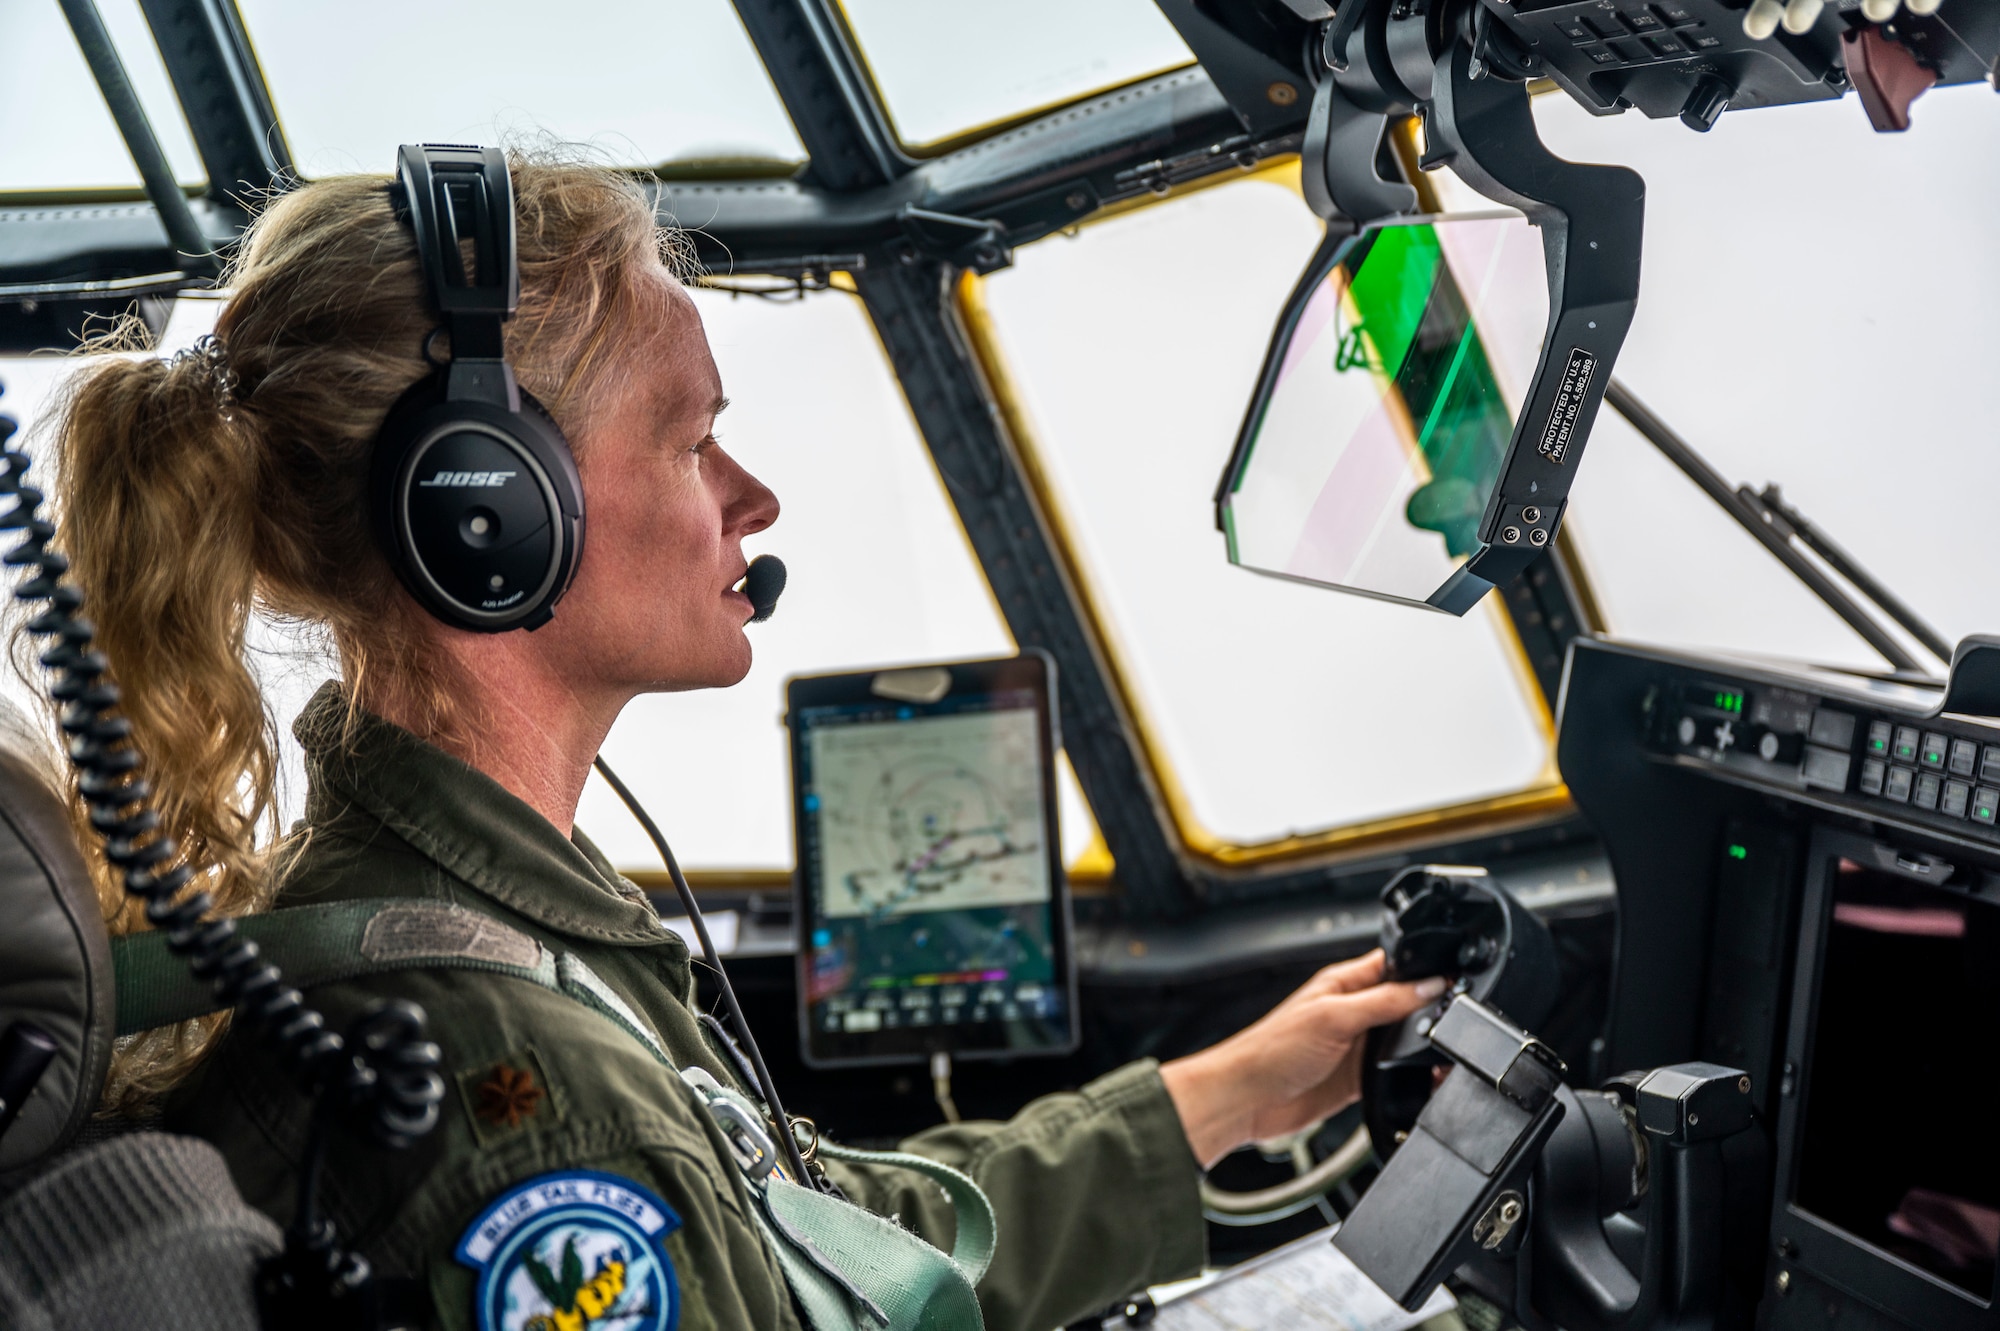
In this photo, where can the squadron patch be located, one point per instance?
(574, 1250)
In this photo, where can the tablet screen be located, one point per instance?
(933, 907)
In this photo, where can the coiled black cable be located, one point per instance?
(381, 1080)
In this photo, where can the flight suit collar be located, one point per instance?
(468, 824)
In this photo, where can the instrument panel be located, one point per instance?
(1808, 866)
(1936, 773)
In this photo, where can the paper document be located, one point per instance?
(1309, 1285)
(723, 929)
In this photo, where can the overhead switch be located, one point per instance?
(1762, 18)
(1800, 15)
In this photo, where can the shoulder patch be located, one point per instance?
(573, 1250)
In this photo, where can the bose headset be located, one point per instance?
(474, 493)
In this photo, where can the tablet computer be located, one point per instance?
(932, 910)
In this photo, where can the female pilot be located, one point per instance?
(445, 766)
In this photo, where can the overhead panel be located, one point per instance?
(638, 83)
(948, 68)
(60, 137)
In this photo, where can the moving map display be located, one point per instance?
(938, 813)
(930, 882)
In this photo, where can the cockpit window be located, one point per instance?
(1799, 326)
(880, 572)
(645, 84)
(1030, 56)
(1272, 710)
(41, 68)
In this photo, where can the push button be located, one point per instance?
(1879, 735)
(1985, 805)
(1825, 768)
(1675, 12)
(1935, 748)
(1989, 765)
(1872, 771)
(1897, 787)
(1575, 31)
(1964, 757)
(1907, 743)
(1603, 56)
(1833, 729)
(1956, 795)
(1700, 39)
(1642, 22)
(1928, 786)
(1665, 47)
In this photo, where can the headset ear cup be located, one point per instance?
(567, 480)
(475, 496)
(567, 483)
(480, 510)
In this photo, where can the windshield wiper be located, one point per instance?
(1776, 524)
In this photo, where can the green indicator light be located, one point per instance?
(1739, 853)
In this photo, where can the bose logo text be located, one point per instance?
(460, 479)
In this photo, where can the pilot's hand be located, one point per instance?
(1294, 1067)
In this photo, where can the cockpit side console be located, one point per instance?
(1807, 984)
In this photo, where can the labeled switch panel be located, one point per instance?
(1932, 772)
(1674, 57)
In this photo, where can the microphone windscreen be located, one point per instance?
(763, 584)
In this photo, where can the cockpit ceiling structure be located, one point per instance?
(910, 150)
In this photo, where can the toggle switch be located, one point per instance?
(1762, 18)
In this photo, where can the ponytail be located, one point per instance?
(192, 492)
(155, 492)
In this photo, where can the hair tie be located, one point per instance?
(208, 349)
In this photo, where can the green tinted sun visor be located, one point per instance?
(1371, 453)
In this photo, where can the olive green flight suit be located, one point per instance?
(1095, 1192)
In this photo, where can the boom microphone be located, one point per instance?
(763, 584)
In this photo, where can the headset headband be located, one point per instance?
(452, 193)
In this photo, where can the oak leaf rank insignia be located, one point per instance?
(508, 1096)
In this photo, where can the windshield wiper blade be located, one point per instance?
(1774, 524)
(1794, 523)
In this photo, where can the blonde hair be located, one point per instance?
(189, 498)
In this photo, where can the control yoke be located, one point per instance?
(1462, 923)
